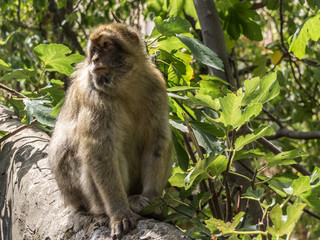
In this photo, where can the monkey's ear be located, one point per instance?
(89, 49)
(134, 36)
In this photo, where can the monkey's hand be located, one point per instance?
(138, 203)
(120, 225)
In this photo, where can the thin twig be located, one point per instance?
(203, 185)
(184, 109)
(175, 209)
(215, 200)
(272, 117)
(14, 92)
(34, 122)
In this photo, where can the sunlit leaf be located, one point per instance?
(257, 91)
(56, 57)
(171, 26)
(301, 185)
(227, 227)
(254, 194)
(257, 133)
(180, 88)
(285, 225)
(280, 159)
(309, 29)
(41, 110)
(4, 66)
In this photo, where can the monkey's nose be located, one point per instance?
(95, 58)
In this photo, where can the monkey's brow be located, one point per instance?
(97, 36)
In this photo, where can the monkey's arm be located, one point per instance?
(157, 151)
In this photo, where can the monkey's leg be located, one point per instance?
(95, 204)
(67, 173)
(102, 162)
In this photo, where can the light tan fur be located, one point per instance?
(110, 150)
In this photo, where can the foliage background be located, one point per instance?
(273, 43)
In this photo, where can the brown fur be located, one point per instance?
(110, 148)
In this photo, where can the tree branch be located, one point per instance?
(14, 92)
(269, 145)
(58, 16)
(283, 132)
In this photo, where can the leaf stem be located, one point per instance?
(41, 75)
(285, 201)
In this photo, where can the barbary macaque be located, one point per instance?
(110, 149)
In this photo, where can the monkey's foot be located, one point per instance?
(138, 203)
(121, 225)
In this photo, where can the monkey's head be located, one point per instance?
(113, 50)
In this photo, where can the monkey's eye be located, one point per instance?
(94, 49)
(105, 44)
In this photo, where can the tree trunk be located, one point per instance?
(213, 37)
(31, 205)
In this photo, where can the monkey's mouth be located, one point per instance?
(102, 81)
(106, 78)
(100, 69)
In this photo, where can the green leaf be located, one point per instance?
(39, 109)
(171, 26)
(281, 188)
(172, 95)
(57, 108)
(248, 154)
(218, 166)
(3, 133)
(312, 198)
(202, 53)
(54, 89)
(170, 43)
(207, 140)
(207, 127)
(293, 214)
(240, 20)
(205, 169)
(4, 66)
(180, 88)
(280, 158)
(225, 228)
(176, 8)
(285, 224)
(231, 113)
(56, 58)
(309, 29)
(213, 78)
(276, 218)
(301, 185)
(254, 194)
(183, 158)
(251, 111)
(177, 178)
(206, 100)
(315, 174)
(257, 91)
(204, 133)
(18, 74)
(178, 124)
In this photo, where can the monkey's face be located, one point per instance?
(107, 60)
